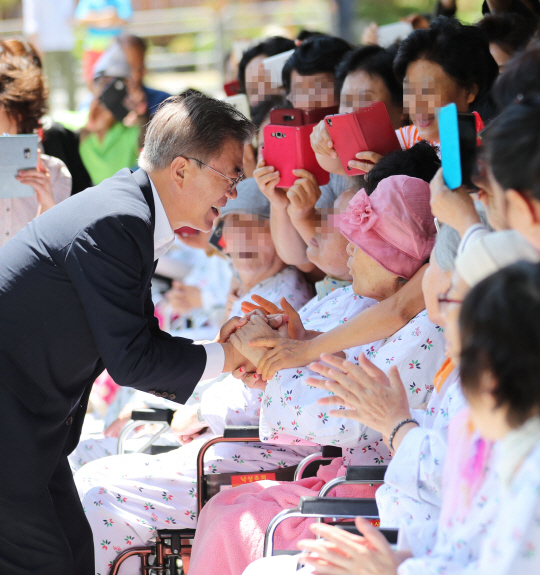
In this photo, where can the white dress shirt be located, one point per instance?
(163, 240)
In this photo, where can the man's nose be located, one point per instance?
(232, 194)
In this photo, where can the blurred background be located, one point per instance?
(191, 43)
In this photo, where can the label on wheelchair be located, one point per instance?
(244, 479)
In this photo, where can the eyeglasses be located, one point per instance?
(235, 181)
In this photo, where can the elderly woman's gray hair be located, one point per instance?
(193, 126)
(447, 242)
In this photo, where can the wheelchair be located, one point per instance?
(170, 553)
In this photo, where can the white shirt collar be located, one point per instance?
(163, 232)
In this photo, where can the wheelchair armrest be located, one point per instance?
(241, 432)
(331, 451)
(390, 534)
(373, 473)
(155, 415)
(338, 506)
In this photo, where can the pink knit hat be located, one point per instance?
(394, 226)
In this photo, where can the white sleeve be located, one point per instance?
(215, 360)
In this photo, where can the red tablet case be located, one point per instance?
(368, 129)
(288, 148)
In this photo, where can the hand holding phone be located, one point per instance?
(113, 98)
(267, 177)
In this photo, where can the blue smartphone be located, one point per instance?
(457, 134)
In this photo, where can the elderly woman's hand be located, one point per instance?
(257, 327)
(342, 553)
(303, 196)
(378, 401)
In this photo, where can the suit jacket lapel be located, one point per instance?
(143, 181)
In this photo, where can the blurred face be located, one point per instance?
(361, 89)
(249, 243)
(435, 282)
(198, 192)
(135, 58)
(500, 56)
(258, 81)
(427, 88)
(370, 279)
(328, 249)
(315, 91)
(7, 124)
(492, 196)
(450, 312)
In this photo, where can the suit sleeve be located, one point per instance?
(105, 264)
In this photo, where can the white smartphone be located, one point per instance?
(390, 33)
(274, 65)
(240, 102)
(16, 153)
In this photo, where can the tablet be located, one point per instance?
(369, 129)
(17, 153)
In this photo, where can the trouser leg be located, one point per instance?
(47, 535)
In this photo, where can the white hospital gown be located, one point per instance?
(127, 498)
(290, 406)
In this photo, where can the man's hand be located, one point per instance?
(378, 401)
(267, 178)
(186, 425)
(454, 208)
(229, 328)
(303, 196)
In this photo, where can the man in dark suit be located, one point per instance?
(75, 299)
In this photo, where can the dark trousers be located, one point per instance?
(48, 535)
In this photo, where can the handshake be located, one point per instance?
(265, 337)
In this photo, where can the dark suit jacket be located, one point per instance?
(75, 299)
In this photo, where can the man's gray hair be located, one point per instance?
(447, 242)
(194, 126)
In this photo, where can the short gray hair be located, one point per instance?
(194, 126)
(447, 242)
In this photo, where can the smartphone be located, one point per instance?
(390, 33)
(17, 153)
(274, 65)
(216, 239)
(288, 148)
(369, 129)
(232, 88)
(113, 98)
(296, 117)
(459, 151)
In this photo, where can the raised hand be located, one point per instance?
(303, 196)
(267, 178)
(373, 398)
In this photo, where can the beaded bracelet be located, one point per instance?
(397, 428)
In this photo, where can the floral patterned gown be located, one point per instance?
(126, 498)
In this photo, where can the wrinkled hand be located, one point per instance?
(454, 208)
(342, 553)
(378, 401)
(256, 328)
(365, 161)
(321, 142)
(186, 425)
(303, 196)
(267, 178)
(229, 327)
(40, 180)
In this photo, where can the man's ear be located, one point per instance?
(178, 171)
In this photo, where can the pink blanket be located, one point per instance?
(231, 527)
